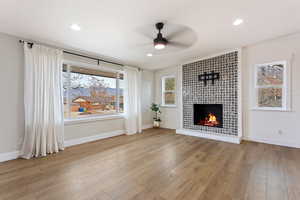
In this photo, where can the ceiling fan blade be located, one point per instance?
(178, 44)
(177, 33)
(145, 44)
(142, 46)
(147, 35)
(143, 31)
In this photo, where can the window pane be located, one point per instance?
(270, 97)
(91, 95)
(65, 87)
(121, 95)
(169, 98)
(270, 75)
(170, 84)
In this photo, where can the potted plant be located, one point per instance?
(156, 109)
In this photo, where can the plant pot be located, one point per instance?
(156, 124)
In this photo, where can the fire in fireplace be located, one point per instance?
(208, 115)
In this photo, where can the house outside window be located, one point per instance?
(168, 91)
(91, 92)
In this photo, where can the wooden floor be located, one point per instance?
(157, 164)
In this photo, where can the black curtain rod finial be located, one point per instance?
(29, 43)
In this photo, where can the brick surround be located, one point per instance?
(224, 91)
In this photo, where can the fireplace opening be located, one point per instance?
(208, 115)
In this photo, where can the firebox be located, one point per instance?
(208, 115)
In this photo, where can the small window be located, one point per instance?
(271, 86)
(90, 92)
(168, 91)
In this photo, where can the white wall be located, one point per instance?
(147, 97)
(170, 115)
(11, 100)
(12, 108)
(86, 129)
(267, 125)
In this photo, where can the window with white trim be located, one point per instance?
(271, 86)
(168, 91)
(90, 92)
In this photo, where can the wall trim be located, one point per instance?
(209, 135)
(9, 156)
(72, 142)
(147, 126)
(273, 142)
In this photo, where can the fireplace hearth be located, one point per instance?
(208, 115)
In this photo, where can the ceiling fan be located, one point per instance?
(160, 42)
(179, 33)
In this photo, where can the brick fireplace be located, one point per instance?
(211, 106)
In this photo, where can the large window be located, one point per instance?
(168, 91)
(89, 92)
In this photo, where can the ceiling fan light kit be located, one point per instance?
(159, 46)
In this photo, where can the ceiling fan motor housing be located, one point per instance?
(159, 26)
(160, 39)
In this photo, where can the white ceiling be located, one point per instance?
(111, 27)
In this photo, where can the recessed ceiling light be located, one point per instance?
(149, 54)
(238, 22)
(75, 27)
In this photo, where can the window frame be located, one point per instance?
(94, 117)
(285, 88)
(163, 91)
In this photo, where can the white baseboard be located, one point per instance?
(92, 138)
(167, 127)
(9, 156)
(146, 126)
(208, 135)
(274, 142)
(15, 154)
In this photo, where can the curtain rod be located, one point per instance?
(80, 55)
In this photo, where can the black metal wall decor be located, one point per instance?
(209, 77)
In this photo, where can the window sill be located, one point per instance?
(271, 109)
(93, 119)
(168, 106)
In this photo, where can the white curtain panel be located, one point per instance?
(43, 98)
(132, 98)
